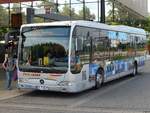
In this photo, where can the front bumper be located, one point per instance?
(71, 88)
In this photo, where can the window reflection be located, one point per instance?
(97, 45)
(46, 48)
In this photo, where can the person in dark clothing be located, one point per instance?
(9, 65)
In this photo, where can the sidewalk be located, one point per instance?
(6, 94)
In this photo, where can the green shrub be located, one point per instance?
(118, 57)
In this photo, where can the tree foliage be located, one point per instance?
(112, 13)
(88, 15)
(4, 16)
(68, 12)
(3, 21)
(79, 15)
(119, 15)
(147, 24)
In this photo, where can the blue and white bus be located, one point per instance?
(72, 56)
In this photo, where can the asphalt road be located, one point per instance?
(126, 95)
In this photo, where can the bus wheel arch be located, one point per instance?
(99, 78)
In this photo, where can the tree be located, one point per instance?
(147, 24)
(66, 11)
(3, 30)
(88, 15)
(3, 21)
(4, 17)
(117, 13)
(112, 13)
(120, 15)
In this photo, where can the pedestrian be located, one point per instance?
(9, 65)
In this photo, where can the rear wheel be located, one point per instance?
(99, 78)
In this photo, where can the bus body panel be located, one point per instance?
(85, 78)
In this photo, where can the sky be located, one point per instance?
(149, 6)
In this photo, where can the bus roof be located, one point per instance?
(129, 29)
(120, 28)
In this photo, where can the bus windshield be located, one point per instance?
(44, 49)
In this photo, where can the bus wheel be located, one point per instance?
(135, 69)
(99, 78)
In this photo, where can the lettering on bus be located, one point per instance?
(31, 74)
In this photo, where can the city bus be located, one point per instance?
(72, 56)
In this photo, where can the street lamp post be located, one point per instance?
(57, 6)
(113, 10)
(70, 9)
(9, 15)
(98, 9)
(84, 16)
(102, 11)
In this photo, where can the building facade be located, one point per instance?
(138, 6)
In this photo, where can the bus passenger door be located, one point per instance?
(80, 48)
(82, 54)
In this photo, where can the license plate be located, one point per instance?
(42, 87)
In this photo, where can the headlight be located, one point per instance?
(64, 83)
(22, 80)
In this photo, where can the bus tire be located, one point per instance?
(135, 69)
(99, 78)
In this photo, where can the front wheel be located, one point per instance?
(99, 78)
(135, 69)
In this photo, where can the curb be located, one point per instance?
(7, 94)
